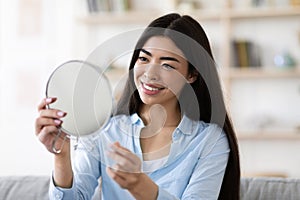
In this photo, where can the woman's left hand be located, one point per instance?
(127, 173)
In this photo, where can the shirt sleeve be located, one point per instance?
(86, 170)
(60, 193)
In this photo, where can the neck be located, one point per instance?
(167, 116)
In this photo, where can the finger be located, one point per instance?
(52, 113)
(49, 134)
(124, 179)
(41, 122)
(122, 158)
(125, 153)
(52, 131)
(118, 145)
(115, 176)
(46, 135)
(122, 163)
(124, 173)
(45, 102)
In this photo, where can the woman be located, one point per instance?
(172, 135)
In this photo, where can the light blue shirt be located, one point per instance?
(194, 169)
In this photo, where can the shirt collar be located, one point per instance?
(135, 119)
(186, 125)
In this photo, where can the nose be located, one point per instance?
(152, 72)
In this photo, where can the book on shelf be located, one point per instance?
(96, 6)
(272, 3)
(295, 2)
(92, 6)
(245, 54)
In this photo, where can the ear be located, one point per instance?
(192, 77)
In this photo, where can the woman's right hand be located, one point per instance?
(47, 126)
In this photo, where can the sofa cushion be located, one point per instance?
(24, 187)
(270, 189)
(36, 188)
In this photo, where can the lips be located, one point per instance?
(151, 89)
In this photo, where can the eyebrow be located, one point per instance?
(161, 58)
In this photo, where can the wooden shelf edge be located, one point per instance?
(264, 12)
(131, 17)
(201, 14)
(269, 136)
(261, 72)
(256, 174)
(127, 17)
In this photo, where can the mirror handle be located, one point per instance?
(54, 149)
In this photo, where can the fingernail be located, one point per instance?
(48, 100)
(56, 121)
(60, 113)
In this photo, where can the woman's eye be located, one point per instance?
(142, 59)
(168, 67)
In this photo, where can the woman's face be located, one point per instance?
(160, 71)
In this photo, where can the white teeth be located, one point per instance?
(150, 88)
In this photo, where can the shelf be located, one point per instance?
(133, 17)
(264, 12)
(258, 72)
(279, 174)
(205, 15)
(113, 18)
(288, 135)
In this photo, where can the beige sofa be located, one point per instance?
(36, 188)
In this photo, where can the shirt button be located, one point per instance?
(58, 196)
(175, 136)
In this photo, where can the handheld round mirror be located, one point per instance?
(84, 93)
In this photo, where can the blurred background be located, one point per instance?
(256, 44)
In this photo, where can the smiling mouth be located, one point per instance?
(151, 87)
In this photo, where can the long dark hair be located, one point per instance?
(189, 36)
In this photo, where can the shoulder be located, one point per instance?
(215, 139)
(118, 120)
(212, 130)
(208, 136)
(199, 128)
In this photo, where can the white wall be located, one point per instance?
(264, 157)
(26, 59)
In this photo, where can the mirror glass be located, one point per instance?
(84, 93)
